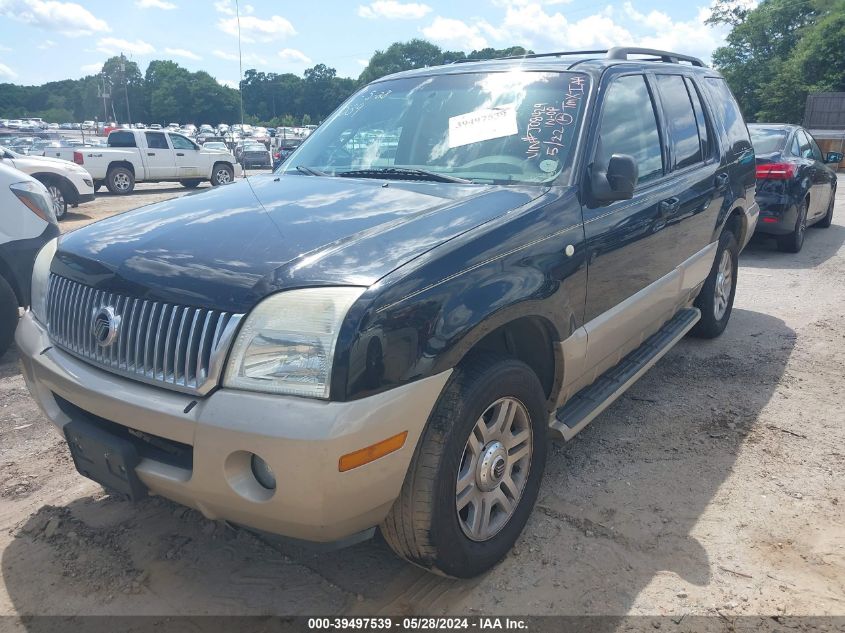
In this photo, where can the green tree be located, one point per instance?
(759, 45)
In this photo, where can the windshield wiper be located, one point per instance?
(401, 173)
(310, 171)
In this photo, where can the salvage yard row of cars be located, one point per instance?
(386, 332)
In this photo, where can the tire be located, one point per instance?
(190, 184)
(716, 298)
(793, 242)
(827, 220)
(120, 181)
(222, 174)
(57, 195)
(424, 525)
(98, 184)
(8, 315)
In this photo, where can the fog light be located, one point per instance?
(263, 473)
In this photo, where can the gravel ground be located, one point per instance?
(714, 486)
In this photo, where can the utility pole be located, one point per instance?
(125, 88)
(104, 96)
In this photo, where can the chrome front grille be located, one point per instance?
(172, 346)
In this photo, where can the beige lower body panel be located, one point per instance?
(301, 439)
(605, 340)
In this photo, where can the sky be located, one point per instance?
(48, 40)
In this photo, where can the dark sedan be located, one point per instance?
(795, 186)
(256, 155)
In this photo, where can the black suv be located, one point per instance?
(461, 263)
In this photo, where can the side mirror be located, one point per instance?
(618, 182)
(833, 157)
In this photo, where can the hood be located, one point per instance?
(230, 246)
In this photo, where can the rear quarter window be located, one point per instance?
(727, 113)
(122, 139)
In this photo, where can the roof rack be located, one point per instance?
(622, 52)
(618, 53)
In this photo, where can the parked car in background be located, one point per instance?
(256, 156)
(215, 145)
(153, 156)
(796, 187)
(388, 336)
(155, 126)
(14, 124)
(66, 183)
(26, 225)
(89, 125)
(21, 144)
(284, 151)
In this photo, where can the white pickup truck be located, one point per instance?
(152, 156)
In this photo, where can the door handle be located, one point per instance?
(669, 206)
(151, 153)
(722, 181)
(179, 154)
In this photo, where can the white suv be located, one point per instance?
(26, 224)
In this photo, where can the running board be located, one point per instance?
(587, 404)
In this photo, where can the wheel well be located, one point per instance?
(736, 225)
(68, 190)
(528, 339)
(122, 163)
(223, 162)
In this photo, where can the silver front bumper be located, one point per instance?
(300, 438)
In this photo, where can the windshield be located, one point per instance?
(510, 127)
(767, 140)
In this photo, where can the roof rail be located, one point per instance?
(533, 56)
(617, 53)
(622, 52)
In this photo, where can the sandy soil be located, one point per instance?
(715, 486)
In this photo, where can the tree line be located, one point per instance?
(166, 92)
(775, 55)
(779, 52)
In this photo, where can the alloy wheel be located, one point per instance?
(494, 469)
(724, 285)
(59, 205)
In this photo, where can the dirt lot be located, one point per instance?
(715, 486)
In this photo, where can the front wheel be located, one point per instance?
(222, 174)
(716, 298)
(58, 199)
(476, 471)
(827, 220)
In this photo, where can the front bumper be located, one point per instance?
(301, 439)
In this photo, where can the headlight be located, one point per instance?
(287, 343)
(41, 279)
(37, 199)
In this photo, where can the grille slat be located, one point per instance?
(172, 346)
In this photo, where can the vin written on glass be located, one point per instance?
(550, 125)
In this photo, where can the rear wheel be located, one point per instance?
(827, 220)
(120, 181)
(716, 298)
(476, 471)
(8, 315)
(793, 242)
(191, 184)
(98, 185)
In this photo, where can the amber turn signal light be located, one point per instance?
(372, 453)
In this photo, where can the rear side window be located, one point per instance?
(156, 140)
(700, 118)
(806, 151)
(629, 126)
(795, 148)
(727, 113)
(122, 139)
(817, 152)
(683, 127)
